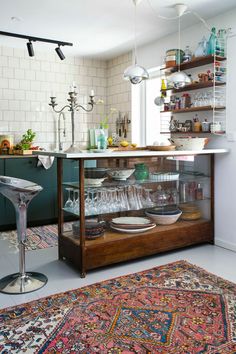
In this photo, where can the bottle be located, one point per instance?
(211, 47)
(102, 141)
(163, 88)
(199, 192)
(201, 49)
(187, 54)
(220, 50)
(196, 124)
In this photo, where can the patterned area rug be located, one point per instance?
(176, 308)
(37, 237)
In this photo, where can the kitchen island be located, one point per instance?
(192, 169)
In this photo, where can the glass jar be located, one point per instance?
(141, 171)
(187, 55)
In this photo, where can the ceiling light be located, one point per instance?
(179, 79)
(59, 53)
(135, 73)
(30, 48)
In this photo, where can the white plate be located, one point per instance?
(133, 231)
(131, 220)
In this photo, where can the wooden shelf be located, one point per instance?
(208, 59)
(186, 133)
(116, 247)
(113, 236)
(195, 86)
(194, 109)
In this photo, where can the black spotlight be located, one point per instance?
(30, 48)
(59, 53)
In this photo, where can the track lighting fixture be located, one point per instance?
(37, 39)
(59, 53)
(30, 48)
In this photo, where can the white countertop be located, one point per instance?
(138, 153)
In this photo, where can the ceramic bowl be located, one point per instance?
(190, 143)
(164, 219)
(162, 211)
(96, 172)
(93, 182)
(121, 175)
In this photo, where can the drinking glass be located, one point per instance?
(69, 202)
(76, 201)
(148, 201)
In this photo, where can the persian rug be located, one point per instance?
(176, 308)
(37, 237)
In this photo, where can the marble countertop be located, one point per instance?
(138, 153)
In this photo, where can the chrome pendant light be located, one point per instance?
(179, 79)
(135, 73)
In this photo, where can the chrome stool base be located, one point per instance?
(21, 284)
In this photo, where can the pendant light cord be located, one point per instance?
(135, 34)
(179, 44)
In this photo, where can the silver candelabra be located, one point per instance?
(73, 106)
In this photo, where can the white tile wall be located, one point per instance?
(26, 84)
(118, 90)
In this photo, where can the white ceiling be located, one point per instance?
(97, 28)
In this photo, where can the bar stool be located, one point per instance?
(20, 192)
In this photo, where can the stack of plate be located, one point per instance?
(132, 224)
(93, 229)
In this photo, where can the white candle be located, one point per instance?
(52, 94)
(92, 93)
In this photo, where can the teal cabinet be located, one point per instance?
(43, 206)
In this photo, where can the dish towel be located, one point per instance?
(45, 161)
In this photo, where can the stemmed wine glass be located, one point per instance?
(69, 202)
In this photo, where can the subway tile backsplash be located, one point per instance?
(26, 85)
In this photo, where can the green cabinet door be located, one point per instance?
(2, 199)
(43, 206)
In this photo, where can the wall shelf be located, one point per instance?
(194, 109)
(195, 86)
(208, 59)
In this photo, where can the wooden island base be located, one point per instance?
(115, 247)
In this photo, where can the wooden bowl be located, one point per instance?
(161, 148)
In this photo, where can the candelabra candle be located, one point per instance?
(72, 107)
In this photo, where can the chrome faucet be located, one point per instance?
(60, 128)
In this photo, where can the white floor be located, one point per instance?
(62, 276)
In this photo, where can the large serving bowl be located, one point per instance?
(190, 143)
(95, 172)
(121, 175)
(164, 219)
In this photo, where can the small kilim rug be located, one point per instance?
(177, 308)
(37, 237)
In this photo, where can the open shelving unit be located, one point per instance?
(215, 112)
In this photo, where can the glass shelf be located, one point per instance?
(70, 211)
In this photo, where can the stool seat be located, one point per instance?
(20, 192)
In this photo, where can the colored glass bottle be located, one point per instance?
(212, 42)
